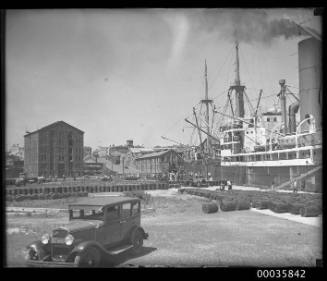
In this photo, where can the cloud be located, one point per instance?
(255, 25)
(179, 26)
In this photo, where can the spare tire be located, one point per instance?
(209, 208)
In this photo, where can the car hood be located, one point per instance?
(79, 225)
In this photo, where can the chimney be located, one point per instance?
(129, 143)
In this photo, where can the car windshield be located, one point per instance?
(87, 213)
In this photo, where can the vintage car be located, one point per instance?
(97, 227)
(20, 181)
(106, 178)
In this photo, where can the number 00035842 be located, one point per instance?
(281, 273)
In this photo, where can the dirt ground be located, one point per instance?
(180, 234)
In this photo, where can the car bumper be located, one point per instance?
(35, 263)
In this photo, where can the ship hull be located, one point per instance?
(266, 177)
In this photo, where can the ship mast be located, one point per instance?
(237, 81)
(207, 101)
(237, 88)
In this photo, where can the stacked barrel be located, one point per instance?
(66, 190)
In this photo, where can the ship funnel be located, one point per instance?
(310, 79)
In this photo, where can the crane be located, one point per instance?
(171, 140)
(258, 103)
(198, 127)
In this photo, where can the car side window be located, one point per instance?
(126, 210)
(112, 213)
(135, 208)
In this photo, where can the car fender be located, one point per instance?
(83, 246)
(41, 249)
(135, 228)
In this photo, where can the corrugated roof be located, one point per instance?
(102, 201)
(53, 124)
(140, 149)
(153, 155)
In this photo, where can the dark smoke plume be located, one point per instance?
(246, 25)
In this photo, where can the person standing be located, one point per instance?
(229, 184)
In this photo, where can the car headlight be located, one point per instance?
(69, 239)
(45, 238)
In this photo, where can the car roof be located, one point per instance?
(103, 201)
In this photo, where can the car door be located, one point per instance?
(111, 230)
(129, 218)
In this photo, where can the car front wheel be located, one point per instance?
(137, 241)
(89, 258)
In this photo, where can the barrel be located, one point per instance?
(228, 205)
(263, 204)
(209, 208)
(280, 207)
(243, 204)
(310, 211)
(295, 208)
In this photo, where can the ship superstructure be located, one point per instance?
(255, 153)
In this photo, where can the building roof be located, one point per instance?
(154, 155)
(141, 149)
(268, 113)
(53, 124)
(103, 201)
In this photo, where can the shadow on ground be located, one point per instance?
(119, 259)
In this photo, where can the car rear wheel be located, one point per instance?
(137, 241)
(89, 258)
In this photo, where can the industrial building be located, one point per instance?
(87, 151)
(54, 150)
(92, 166)
(157, 163)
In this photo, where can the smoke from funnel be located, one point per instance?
(246, 25)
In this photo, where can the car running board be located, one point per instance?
(120, 249)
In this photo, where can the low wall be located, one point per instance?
(84, 188)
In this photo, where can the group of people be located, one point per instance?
(224, 183)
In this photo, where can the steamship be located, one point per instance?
(287, 154)
(280, 148)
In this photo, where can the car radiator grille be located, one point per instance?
(59, 251)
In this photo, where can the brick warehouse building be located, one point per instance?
(54, 150)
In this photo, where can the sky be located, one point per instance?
(121, 74)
